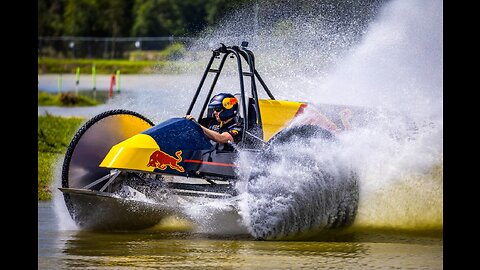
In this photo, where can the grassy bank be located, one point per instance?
(54, 136)
(56, 65)
(66, 99)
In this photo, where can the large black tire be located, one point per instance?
(309, 196)
(90, 145)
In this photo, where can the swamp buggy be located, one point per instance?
(123, 172)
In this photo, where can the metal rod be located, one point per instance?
(110, 181)
(200, 85)
(96, 182)
(251, 62)
(249, 57)
(242, 87)
(220, 67)
(256, 137)
(264, 85)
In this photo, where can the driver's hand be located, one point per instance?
(189, 117)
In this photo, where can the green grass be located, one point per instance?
(139, 62)
(54, 136)
(70, 99)
(48, 65)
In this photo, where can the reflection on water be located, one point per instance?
(167, 249)
(159, 249)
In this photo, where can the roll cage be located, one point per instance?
(252, 120)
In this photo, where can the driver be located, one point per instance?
(225, 127)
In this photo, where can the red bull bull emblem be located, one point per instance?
(229, 102)
(161, 160)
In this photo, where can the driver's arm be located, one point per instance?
(225, 137)
(215, 136)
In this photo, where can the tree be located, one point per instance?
(50, 17)
(80, 18)
(156, 18)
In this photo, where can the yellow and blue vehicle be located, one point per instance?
(121, 171)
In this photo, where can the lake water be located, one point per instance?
(151, 249)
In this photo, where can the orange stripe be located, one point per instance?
(208, 163)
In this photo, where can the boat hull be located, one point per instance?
(94, 210)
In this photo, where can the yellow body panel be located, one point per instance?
(133, 153)
(276, 114)
(130, 125)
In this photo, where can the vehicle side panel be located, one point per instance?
(276, 114)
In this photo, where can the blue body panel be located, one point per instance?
(199, 156)
(179, 133)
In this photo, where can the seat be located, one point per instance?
(252, 114)
(251, 111)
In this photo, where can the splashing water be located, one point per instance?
(397, 69)
(398, 66)
(384, 55)
(65, 222)
(295, 190)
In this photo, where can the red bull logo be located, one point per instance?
(162, 160)
(229, 102)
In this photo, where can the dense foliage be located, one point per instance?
(124, 18)
(159, 18)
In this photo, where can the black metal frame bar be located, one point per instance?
(236, 51)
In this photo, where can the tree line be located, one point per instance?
(157, 18)
(130, 18)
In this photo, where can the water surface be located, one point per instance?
(151, 249)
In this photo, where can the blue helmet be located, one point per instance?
(224, 102)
